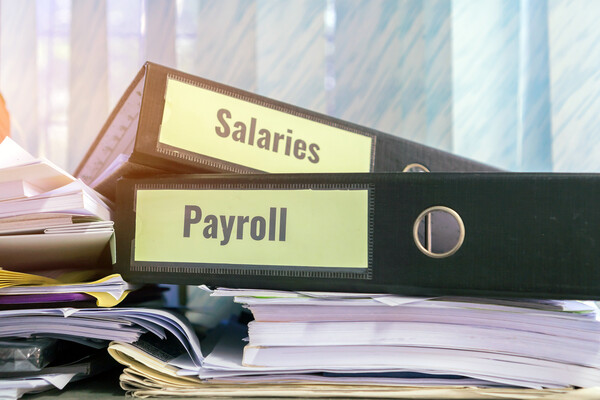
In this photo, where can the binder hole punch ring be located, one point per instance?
(415, 167)
(438, 232)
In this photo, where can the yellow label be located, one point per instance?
(310, 228)
(216, 125)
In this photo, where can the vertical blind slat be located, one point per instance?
(18, 70)
(125, 54)
(575, 83)
(378, 56)
(89, 76)
(437, 15)
(509, 83)
(485, 62)
(225, 43)
(159, 46)
(290, 42)
(535, 137)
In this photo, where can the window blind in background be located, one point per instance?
(510, 83)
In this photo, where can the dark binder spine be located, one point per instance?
(290, 133)
(389, 153)
(525, 235)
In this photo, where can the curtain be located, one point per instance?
(511, 83)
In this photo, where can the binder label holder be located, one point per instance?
(217, 124)
(314, 230)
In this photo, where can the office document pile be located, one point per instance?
(350, 345)
(375, 267)
(56, 250)
(334, 345)
(517, 343)
(47, 217)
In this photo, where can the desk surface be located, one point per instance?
(104, 386)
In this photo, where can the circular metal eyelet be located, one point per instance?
(415, 167)
(439, 232)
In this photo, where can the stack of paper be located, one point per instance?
(56, 249)
(56, 229)
(92, 329)
(20, 324)
(38, 364)
(350, 345)
(15, 385)
(48, 219)
(22, 288)
(519, 343)
(95, 325)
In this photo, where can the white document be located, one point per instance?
(124, 324)
(282, 295)
(96, 226)
(37, 222)
(502, 368)
(12, 154)
(17, 189)
(20, 170)
(15, 388)
(35, 185)
(66, 249)
(75, 198)
(569, 346)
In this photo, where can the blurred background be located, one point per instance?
(511, 83)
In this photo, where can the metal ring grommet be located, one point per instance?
(439, 232)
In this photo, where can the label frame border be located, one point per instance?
(218, 164)
(240, 270)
